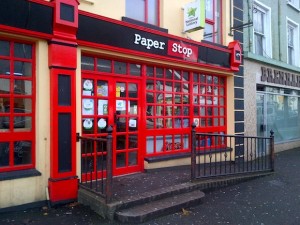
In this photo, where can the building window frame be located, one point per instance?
(265, 48)
(213, 21)
(292, 42)
(17, 123)
(150, 11)
(294, 4)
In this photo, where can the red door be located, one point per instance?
(114, 101)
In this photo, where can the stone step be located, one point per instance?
(154, 209)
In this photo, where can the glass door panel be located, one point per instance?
(126, 122)
(111, 101)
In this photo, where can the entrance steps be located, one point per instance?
(147, 205)
(144, 206)
(154, 209)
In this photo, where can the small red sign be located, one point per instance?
(182, 50)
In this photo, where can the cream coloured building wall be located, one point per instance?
(171, 16)
(33, 189)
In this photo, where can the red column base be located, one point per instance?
(62, 191)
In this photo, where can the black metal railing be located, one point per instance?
(215, 155)
(96, 164)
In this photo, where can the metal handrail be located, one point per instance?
(214, 155)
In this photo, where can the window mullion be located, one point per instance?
(146, 11)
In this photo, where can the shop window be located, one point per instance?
(100, 65)
(16, 106)
(292, 43)
(262, 30)
(278, 110)
(212, 29)
(167, 108)
(209, 103)
(143, 10)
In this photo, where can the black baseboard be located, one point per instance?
(27, 206)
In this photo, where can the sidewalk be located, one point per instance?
(270, 200)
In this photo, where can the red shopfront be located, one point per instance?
(150, 87)
(150, 107)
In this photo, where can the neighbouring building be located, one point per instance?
(272, 73)
(148, 68)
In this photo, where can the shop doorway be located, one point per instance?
(265, 114)
(114, 101)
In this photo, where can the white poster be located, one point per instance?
(87, 107)
(132, 123)
(102, 107)
(120, 105)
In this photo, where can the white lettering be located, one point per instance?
(149, 43)
(137, 39)
(182, 50)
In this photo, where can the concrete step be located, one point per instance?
(154, 209)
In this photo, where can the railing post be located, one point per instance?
(272, 150)
(109, 168)
(193, 152)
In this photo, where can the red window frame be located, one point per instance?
(95, 69)
(171, 137)
(213, 22)
(13, 136)
(209, 104)
(146, 11)
(167, 111)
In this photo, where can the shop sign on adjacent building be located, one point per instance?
(274, 76)
(194, 15)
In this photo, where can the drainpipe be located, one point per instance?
(250, 9)
(279, 29)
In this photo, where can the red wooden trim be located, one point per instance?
(158, 12)
(11, 135)
(25, 32)
(55, 110)
(221, 21)
(146, 12)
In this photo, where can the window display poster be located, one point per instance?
(132, 123)
(87, 88)
(102, 107)
(87, 107)
(102, 90)
(120, 105)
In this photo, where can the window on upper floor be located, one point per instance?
(292, 43)
(212, 29)
(262, 30)
(143, 10)
(294, 3)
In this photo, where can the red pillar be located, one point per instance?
(63, 181)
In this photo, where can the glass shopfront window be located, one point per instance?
(279, 111)
(174, 100)
(16, 106)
